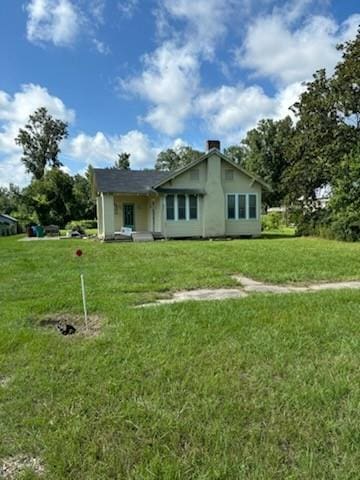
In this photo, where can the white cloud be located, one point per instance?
(169, 81)
(127, 8)
(56, 21)
(285, 98)
(230, 111)
(178, 143)
(233, 108)
(205, 21)
(102, 150)
(14, 113)
(101, 47)
(96, 10)
(170, 78)
(12, 171)
(18, 108)
(272, 49)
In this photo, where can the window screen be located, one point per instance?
(193, 207)
(194, 174)
(181, 207)
(170, 207)
(242, 205)
(231, 206)
(252, 206)
(229, 175)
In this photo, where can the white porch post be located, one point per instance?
(99, 215)
(108, 215)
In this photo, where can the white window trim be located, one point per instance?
(247, 206)
(187, 208)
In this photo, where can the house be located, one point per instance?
(210, 197)
(8, 225)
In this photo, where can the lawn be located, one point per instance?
(266, 387)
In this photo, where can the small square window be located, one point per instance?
(229, 175)
(194, 174)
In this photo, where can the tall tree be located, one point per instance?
(173, 159)
(328, 125)
(51, 197)
(266, 153)
(40, 140)
(318, 144)
(123, 161)
(346, 83)
(83, 201)
(236, 153)
(10, 198)
(344, 205)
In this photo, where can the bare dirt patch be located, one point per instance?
(92, 329)
(12, 467)
(198, 295)
(249, 286)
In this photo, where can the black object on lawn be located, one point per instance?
(66, 329)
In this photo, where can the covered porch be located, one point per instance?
(138, 212)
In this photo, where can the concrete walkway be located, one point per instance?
(247, 287)
(250, 286)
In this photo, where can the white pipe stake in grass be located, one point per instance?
(84, 299)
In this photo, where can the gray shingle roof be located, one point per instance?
(114, 180)
(5, 217)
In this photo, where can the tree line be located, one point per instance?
(318, 150)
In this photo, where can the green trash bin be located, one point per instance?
(40, 232)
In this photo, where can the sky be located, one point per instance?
(140, 76)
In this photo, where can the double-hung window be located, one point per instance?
(181, 207)
(181, 204)
(170, 207)
(252, 206)
(242, 206)
(231, 206)
(193, 207)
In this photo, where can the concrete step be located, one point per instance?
(158, 235)
(142, 237)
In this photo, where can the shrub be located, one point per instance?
(311, 222)
(344, 204)
(81, 225)
(272, 221)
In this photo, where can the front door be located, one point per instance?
(129, 217)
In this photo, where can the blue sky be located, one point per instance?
(144, 75)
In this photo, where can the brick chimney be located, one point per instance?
(212, 144)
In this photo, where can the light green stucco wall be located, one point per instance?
(212, 220)
(214, 201)
(241, 183)
(184, 228)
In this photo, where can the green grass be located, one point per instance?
(266, 387)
